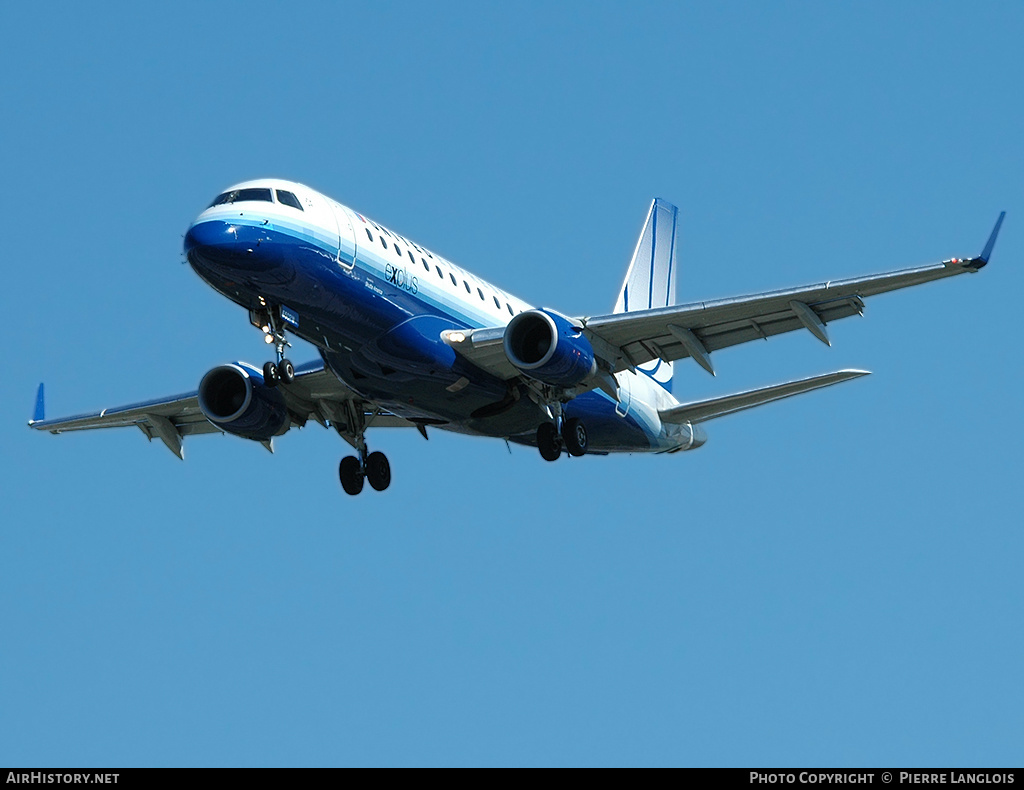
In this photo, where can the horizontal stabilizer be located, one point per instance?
(701, 411)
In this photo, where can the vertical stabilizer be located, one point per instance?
(651, 278)
(40, 411)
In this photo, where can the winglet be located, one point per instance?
(40, 413)
(982, 259)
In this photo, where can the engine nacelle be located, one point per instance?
(547, 347)
(235, 399)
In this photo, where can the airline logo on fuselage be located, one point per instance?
(400, 277)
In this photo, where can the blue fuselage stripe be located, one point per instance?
(345, 308)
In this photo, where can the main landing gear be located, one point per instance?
(572, 437)
(353, 470)
(374, 467)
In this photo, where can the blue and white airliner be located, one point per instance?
(409, 339)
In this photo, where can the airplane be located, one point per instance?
(408, 339)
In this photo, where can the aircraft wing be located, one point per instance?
(697, 329)
(315, 394)
(625, 340)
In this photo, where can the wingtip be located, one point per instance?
(849, 374)
(986, 253)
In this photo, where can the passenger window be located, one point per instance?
(454, 281)
(425, 264)
(288, 198)
(479, 291)
(509, 308)
(411, 256)
(439, 272)
(466, 283)
(368, 234)
(496, 302)
(383, 242)
(398, 249)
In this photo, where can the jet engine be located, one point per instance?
(235, 399)
(547, 347)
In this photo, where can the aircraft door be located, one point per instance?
(625, 393)
(332, 225)
(348, 243)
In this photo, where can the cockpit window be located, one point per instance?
(238, 195)
(289, 199)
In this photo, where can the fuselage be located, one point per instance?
(375, 304)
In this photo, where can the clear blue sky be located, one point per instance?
(833, 580)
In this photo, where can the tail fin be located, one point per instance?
(651, 278)
(39, 415)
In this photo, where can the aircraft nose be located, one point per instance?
(213, 250)
(227, 249)
(205, 237)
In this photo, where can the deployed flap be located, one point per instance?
(701, 411)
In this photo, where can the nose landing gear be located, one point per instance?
(281, 373)
(268, 320)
